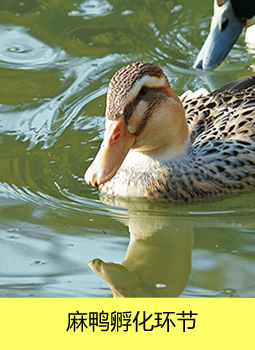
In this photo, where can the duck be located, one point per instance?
(230, 18)
(157, 147)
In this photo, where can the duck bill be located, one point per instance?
(114, 148)
(225, 30)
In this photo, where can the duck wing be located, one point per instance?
(236, 86)
(227, 113)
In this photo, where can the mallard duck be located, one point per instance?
(229, 19)
(156, 147)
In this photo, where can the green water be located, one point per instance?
(56, 59)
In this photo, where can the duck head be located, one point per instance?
(143, 113)
(229, 19)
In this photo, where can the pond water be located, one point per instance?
(58, 238)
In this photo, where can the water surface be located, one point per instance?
(56, 59)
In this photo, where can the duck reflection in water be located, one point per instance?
(157, 261)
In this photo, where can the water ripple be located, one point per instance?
(92, 8)
(21, 50)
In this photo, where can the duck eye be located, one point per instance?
(143, 91)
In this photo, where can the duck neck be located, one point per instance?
(168, 153)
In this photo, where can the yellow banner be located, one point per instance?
(126, 323)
